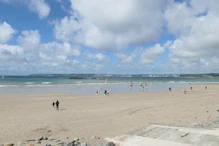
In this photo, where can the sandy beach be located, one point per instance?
(30, 116)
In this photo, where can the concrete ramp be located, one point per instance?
(158, 135)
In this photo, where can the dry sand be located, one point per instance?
(26, 116)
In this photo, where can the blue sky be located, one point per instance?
(111, 36)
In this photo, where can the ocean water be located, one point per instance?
(89, 84)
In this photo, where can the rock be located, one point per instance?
(48, 145)
(70, 143)
(49, 131)
(29, 140)
(84, 144)
(76, 139)
(110, 144)
(184, 135)
(20, 143)
(45, 138)
(76, 143)
(41, 138)
(30, 144)
(99, 145)
(51, 139)
(9, 144)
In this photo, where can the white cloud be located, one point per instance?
(11, 53)
(6, 32)
(126, 57)
(111, 24)
(150, 55)
(38, 6)
(94, 56)
(29, 39)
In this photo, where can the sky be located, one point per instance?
(109, 36)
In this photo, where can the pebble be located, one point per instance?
(110, 144)
(29, 140)
(30, 144)
(41, 138)
(51, 139)
(9, 144)
(20, 143)
(76, 139)
(84, 144)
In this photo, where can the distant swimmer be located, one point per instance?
(131, 84)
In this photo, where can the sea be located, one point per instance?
(91, 83)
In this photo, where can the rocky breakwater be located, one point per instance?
(45, 141)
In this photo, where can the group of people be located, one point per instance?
(106, 92)
(57, 104)
(184, 90)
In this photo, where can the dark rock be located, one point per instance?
(29, 140)
(45, 138)
(41, 138)
(110, 144)
(48, 145)
(184, 135)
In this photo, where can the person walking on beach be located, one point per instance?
(57, 105)
(184, 91)
(97, 92)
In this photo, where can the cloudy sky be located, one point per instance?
(109, 36)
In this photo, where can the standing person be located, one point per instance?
(184, 91)
(191, 87)
(57, 105)
(97, 92)
(170, 89)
